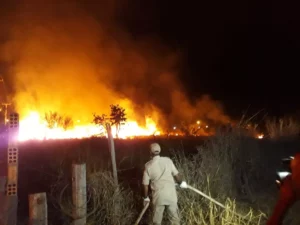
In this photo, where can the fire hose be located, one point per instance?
(212, 200)
(141, 214)
(198, 192)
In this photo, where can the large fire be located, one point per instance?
(34, 127)
(63, 57)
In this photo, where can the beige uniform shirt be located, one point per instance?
(160, 171)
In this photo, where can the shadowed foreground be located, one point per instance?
(234, 169)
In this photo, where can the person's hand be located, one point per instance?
(183, 184)
(146, 201)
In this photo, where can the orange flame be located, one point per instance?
(260, 136)
(33, 127)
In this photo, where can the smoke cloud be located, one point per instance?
(74, 59)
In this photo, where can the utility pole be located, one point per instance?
(5, 112)
(4, 102)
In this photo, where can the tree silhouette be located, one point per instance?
(54, 120)
(67, 123)
(189, 129)
(100, 120)
(117, 117)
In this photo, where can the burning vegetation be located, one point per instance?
(56, 126)
(67, 63)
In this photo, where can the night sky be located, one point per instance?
(243, 53)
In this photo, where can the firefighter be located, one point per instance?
(289, 192)
(160, 173)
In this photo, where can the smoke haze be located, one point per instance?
(75, 59)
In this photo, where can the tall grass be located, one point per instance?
(216, 170)
(115, 204)
(219, 169)
(107, 202)
(282, 128)
(226, 167)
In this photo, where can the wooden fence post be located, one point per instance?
(111, 146)
(79, 195)
(38, 213)
(3, 199)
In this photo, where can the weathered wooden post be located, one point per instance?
(12, 169)
(111, 146)
(3, 197)
(38, 211)
(79, 195)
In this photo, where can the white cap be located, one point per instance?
(155, 148)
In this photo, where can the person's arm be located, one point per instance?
(178, 177)
(146, 182)
(145, 191)
(175, 173)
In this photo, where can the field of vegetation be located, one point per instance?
(234, 168)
